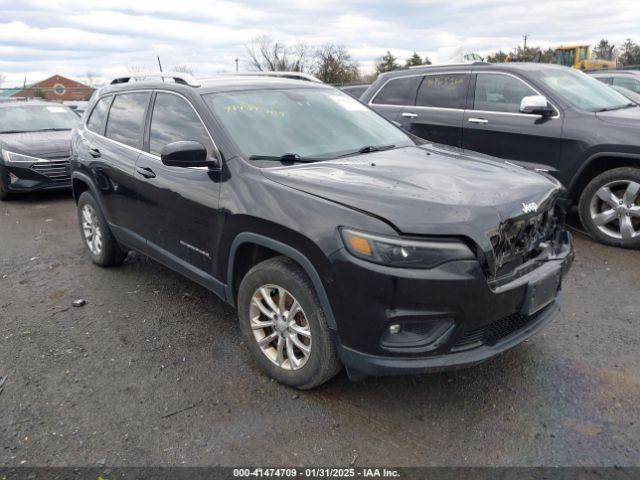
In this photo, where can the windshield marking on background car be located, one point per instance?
(34, 118)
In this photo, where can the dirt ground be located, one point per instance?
(152, 371)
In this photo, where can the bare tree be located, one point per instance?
(265, 54)
(333, 64)
(497, 57)
(630, 53)
(136, 71)
(182, 69)
(603, 50)
(92, 79)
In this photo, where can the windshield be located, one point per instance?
(310, 122)
(582, 91)
(33, 118)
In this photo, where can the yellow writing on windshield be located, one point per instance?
(254, 109)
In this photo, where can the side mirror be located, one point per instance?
(186, 154)
(537, 105)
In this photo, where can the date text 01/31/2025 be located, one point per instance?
(316, 472)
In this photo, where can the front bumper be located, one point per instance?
(485, 319)
(52, 175)
(362, 364)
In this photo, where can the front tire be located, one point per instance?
(4, 185)
(100, 243)
(284, 325)
(610, 207)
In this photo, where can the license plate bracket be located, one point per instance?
(541, 292)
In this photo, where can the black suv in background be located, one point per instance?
(339, 238)
(546, 117)
(35, 139)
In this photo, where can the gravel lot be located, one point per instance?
(152, 371)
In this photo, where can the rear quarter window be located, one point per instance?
(98, 115)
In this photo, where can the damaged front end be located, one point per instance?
(519, 244)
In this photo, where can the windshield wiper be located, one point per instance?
(14, 131)
(620, 107)
(295, 158)
(287, 158)
(367, 149)
(51, 130)
(375, 148)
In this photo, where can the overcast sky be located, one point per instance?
(72, 37)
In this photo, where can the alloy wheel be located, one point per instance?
(615, 209)
(91, 229)
(280, 327)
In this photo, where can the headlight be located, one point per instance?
(18, 159)
(399, 252)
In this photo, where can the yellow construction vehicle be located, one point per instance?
(579, 56)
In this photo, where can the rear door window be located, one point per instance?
(98, 115)
(174, 120)
(126, 118)
(500, 93)
(398, 91)
(443, 91)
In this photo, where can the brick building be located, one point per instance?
(57, 88)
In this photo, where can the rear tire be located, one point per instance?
(302, 352)
(100, 243)
(610, 207)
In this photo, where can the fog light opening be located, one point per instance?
(395, 328)
(416, 334)
(12, 178)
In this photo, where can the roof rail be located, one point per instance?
(282, 74)
(458, 64)
(181, 78)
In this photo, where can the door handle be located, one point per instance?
(95, 153)
(146, 172)
(409, 115)
(478, 120)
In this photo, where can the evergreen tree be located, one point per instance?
(386, 63)
(414, 60)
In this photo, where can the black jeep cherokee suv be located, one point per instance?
(339, 238)
(545, 117)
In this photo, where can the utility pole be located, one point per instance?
(236, 64)
(525, 36)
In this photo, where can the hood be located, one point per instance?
(38, 144)
(424, 190)
(625, 116)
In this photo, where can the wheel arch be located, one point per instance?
(280, 248)
(80, 183)
(595, 165)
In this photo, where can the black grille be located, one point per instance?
(494, 332)
(58, 171)
(518, 240)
